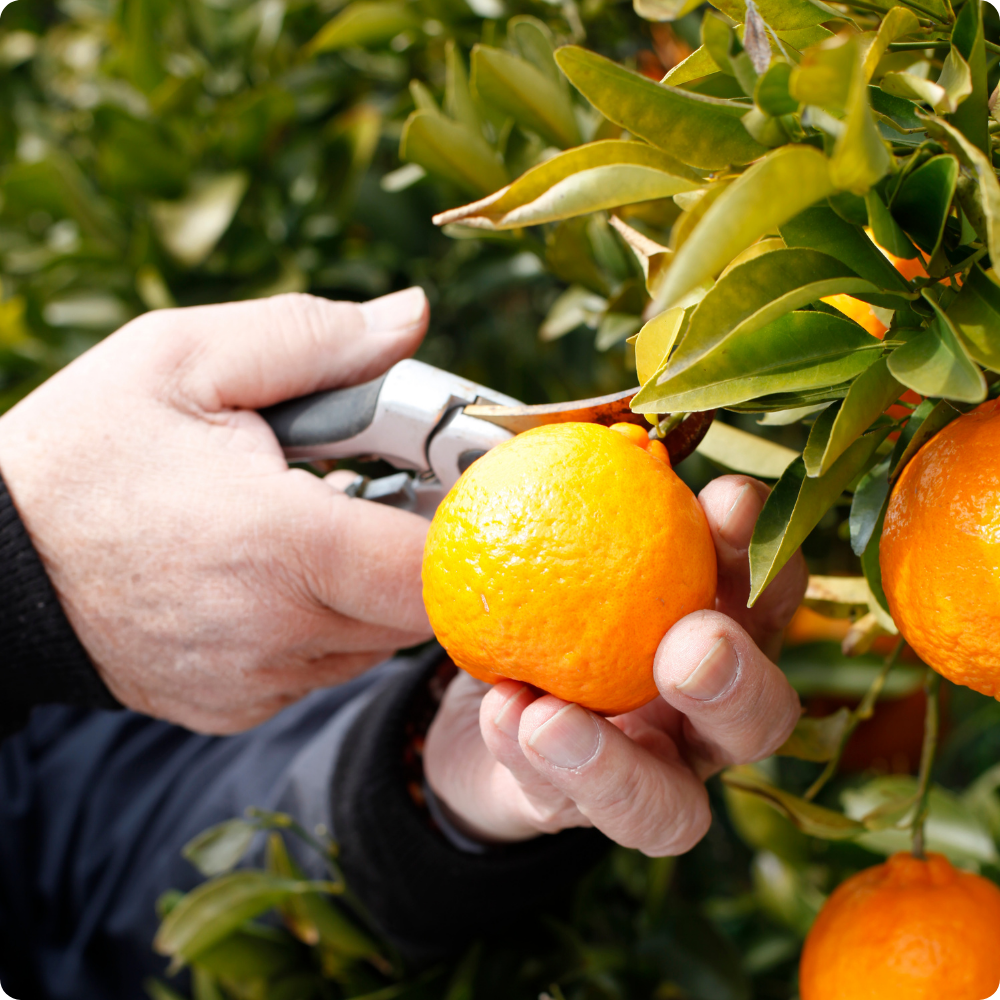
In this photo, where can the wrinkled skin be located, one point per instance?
(211, 584)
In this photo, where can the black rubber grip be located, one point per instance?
(324, 417)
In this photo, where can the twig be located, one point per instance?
(932, 722)
(860, 714)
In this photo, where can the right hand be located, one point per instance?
(210, 584)
(509, 762)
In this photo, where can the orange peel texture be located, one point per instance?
(560, 558)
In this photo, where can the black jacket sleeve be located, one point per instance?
(41, 659)
(96, 806)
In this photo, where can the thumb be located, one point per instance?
(247, 355)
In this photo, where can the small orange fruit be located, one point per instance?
(908, 928)
(940, 551)
(560, 558)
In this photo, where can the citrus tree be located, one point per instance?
(794, 229)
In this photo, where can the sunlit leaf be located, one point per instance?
(216, 908)
(596, 176)
(521, 90)
(944, 94)
(743, 452)
(458, 97)
(363, 22)
(664, 10)
(449, 150)
(535, 42)
(811, 819)
(934, 362)
(221, 847)
(773, 191)
(843, 423)
(796, 505)
(700, 63)
(897, 22)
(783, 15)
(655, 341)
(951, 829)
(752, 294)
(800, 350)
(704, 132)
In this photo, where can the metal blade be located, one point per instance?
(607, 410)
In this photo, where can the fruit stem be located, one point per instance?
(932, 722)
(860, 714)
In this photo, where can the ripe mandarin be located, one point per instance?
(561, 557)
(908, 928)
(940, 551)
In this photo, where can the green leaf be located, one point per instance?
(867, 505)
(885, 228)
(797, 351)
(655, 342)
(816, 739)
(249, 953)
(972, 158)
(934, 362)
(158, 990)
(968, 40)
(596, 176)
(215, 909)
(944, 95)
(822, 229)
(451, 151)
(743, 452)
(772, 95)
(700, 63)
(923, 201)
(362, 23)
(220, 848)
(975, 315)
(664, 10)
(190, 228)
(717, 36)
(795, 507)
(458, 100)
(842, 424)
(870, 564)
(704, 132)
(824, 77)
(900, 111)
(811, 819)
(615, 327)
(897, 23)
(785, 893)
(782, 15)
(758, 291)
(534, 40)
(952, 828)
(773, 191)
(521, 90)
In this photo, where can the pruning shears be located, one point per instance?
(434, 425)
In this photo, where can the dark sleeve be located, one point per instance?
(96, 806)
(41, 659)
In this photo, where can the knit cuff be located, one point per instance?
(41, 659)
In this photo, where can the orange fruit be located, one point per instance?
(560, 558)
(908, 928)
(940, 551)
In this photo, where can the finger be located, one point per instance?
(252, 354)
(357, 558)
(500, 720)
(738, 706)
(732, 505)
(635, 797)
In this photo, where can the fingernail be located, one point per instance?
(569, 739)
(508, 719)
(714, 675)
(396, 311)
(739, 523)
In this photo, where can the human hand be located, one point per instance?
(508, 763)
(209, 583)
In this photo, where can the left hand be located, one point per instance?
(508, 762)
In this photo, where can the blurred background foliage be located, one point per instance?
(162, 152)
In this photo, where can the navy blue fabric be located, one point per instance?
(94, 809)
